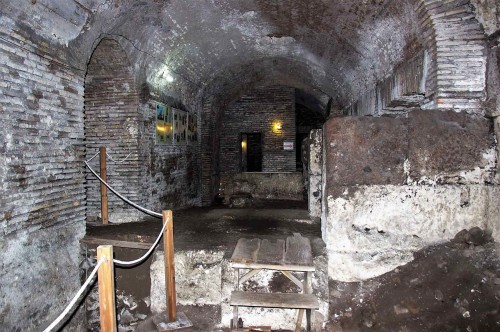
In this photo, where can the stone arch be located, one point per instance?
(112, 120)
(457, 50)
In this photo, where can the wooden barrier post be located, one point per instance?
(168, 243)
(106, 283)
(104, 190)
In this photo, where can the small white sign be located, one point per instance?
(288, 146)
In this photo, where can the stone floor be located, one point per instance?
(453, 286)
(202, 229)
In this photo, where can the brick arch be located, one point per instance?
(455, 41)
(112, 120)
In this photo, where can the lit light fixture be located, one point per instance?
(277, 127)
(165, 73)
(163, 128)
(243, 145)
(169, 78)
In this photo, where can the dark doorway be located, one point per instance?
(251, 152)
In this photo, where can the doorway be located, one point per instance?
(251, 152)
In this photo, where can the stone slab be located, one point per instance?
(365, 150)
(450, 147)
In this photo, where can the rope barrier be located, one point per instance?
(118, 162)
(141, 259)
(88, 161)
(138, 207)
(75, 298)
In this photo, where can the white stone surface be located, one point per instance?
(314, 195)
(197, 276)
(371, 230)
(315, 151)
(314, 167)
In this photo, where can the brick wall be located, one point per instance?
(41, 181)
(456, 45)
(111, 120)
(170, 175)
(255, 113)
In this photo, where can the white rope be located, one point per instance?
(88, 161)
(118, 162)
(76, 297)
(138, 207)
(141, 259)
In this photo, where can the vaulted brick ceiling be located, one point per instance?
(221, 47)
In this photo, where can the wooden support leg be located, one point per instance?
(106, 283)
(235, 308)
(300, 316)
(168, 242)
(308, 290)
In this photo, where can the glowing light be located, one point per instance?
(243, 145)
(166, 74)
(277, 127)
(163, 128)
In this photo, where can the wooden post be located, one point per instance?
(104, 190)
(106, 283)
(168, 243)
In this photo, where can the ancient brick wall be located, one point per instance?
(170, 174)
(255, 113)
(42, 208)
(111, 120)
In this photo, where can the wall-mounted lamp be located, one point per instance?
(277, 127)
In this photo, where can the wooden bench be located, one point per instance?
(287, 256)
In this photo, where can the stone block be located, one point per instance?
(450, 147)
(280, 186)
(198, 276)
(365, 150)
(370, 230)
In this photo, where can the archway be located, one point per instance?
(111, 120)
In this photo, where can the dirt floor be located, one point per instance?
(449, 287)
(453, 286)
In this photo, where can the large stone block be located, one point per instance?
(450, 147)
(370, 230)
(365, 151)
(197, 275)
